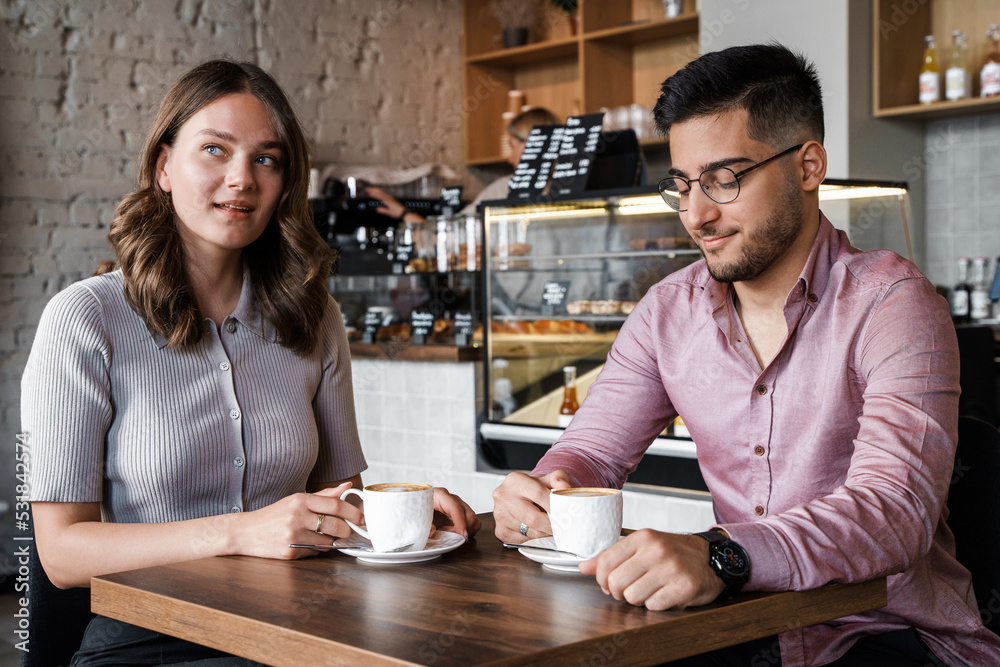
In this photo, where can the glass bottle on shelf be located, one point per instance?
(995, 292)
(956, 77)
(989, 76)
(930, 74)
(960, 293)
(967, 63)
(979, 298)
(569, 405)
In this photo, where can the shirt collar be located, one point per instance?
(816, 272)
(246, 314)
(813, 278)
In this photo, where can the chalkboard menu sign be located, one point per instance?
(421, 325)
(401, 257)
(451, 198)
(554, 297)
(463, 327)
(579, 144)
(372, 322)
(539, 154)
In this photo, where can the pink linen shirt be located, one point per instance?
(831, 464)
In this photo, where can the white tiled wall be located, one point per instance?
(962, 161)
(417, 422)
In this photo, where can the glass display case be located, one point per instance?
(561, 277)
(406, 290)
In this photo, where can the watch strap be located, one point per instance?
(715, 539)
(713, 536)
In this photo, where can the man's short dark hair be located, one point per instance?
(779, 90)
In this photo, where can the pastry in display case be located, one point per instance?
(560, 278)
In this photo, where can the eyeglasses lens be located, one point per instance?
(721, 186)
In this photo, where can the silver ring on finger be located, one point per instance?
(523, 529)
(319, 524)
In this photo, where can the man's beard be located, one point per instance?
(765, 244)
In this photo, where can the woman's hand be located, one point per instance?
(301, 518)
(453, 515)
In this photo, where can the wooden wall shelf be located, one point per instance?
(943, 109)
(623, 53)
(899, 47)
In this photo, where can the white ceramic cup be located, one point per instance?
(585, 520)
(396, 514)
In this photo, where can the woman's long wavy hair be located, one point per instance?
(288, 264)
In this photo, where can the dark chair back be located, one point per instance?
(977, 350)
(58, 618)
(974, 505)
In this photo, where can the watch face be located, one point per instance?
(732, 559)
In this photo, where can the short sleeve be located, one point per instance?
(340, 455)
(66, 406)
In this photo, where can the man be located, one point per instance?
(820, 383)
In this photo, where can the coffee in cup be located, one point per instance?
(585, 520)
(396, 514)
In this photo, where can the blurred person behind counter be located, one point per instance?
(519, 128)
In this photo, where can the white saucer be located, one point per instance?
(561, 562)
(440, 542)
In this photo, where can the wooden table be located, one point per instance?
(481, 604)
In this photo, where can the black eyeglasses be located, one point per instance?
(722, 184)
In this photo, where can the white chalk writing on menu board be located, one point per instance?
(554, 293)
(421, 325)
(452, 196)
(540, 152)
(463, 327)
(580, 141)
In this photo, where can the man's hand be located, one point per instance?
(522, 499)
(657, 570)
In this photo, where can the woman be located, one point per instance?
(518, 130)
(199, 397)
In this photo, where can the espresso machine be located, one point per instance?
(363, 237)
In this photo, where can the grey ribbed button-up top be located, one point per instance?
(157, 434)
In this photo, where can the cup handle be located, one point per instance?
(359, 530)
